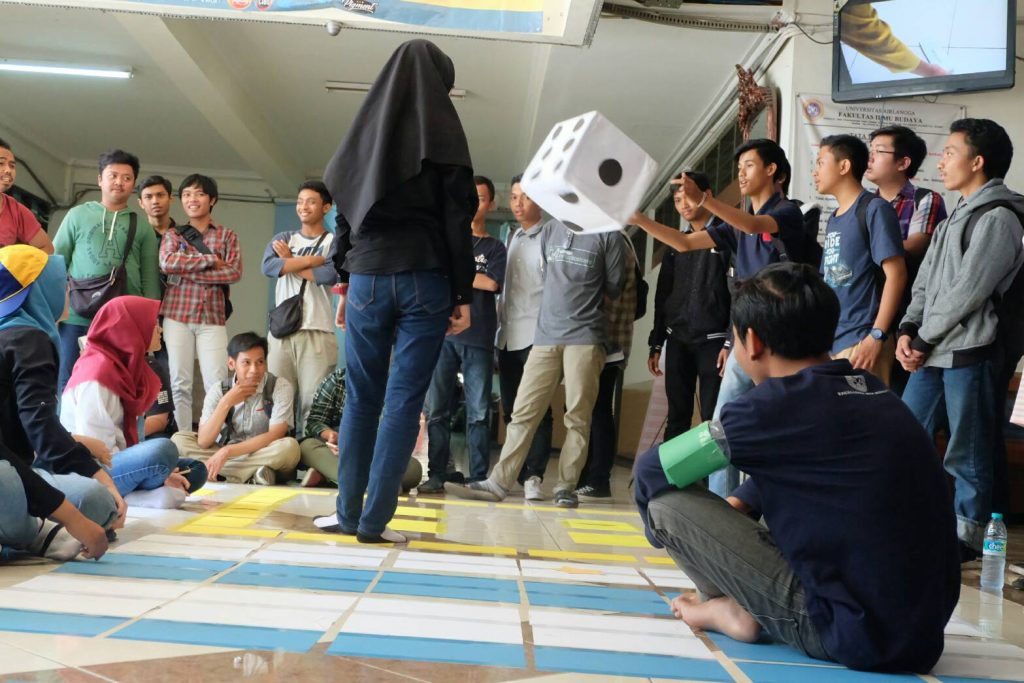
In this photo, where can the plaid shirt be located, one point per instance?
(195, 290)
(621, 312)
(328, 403)
(918, 218)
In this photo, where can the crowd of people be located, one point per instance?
(101, 330)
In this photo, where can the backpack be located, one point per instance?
(224, 438)
(1009, 305)
(810, 249)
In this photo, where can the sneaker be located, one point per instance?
(265, 476)
(586, 492)
(456, 477)
(431, 485)
(329, 523)
(55, 543)
(386, 536)
(311, 479)
(481, 490)
(564, 498)
(532, 489)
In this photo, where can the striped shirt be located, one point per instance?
(196, 290)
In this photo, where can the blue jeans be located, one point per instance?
(962, 400)
(407, 311)
(478, 376)
(735, 383)
(69, 352)
(147, 464)
(17, 527)
(92, 498)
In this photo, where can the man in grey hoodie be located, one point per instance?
(947, 338)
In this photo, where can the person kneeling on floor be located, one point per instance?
(850, 487)
(243, 433)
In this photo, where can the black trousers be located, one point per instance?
(604, 430)
(684, 365)
(510, 374)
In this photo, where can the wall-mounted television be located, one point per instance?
(901, 48)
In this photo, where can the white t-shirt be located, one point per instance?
(317, 305)
(90, 409)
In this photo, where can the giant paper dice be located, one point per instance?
(589, 174)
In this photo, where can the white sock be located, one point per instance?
(392, 536)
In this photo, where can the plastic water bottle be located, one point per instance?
(993, 562)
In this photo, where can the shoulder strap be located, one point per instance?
(193, 237)
(268, 392)
(133, 224)
(302, 287)
(981, 211)
(862, 219)
(919, 194)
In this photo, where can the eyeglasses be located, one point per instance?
(874, 152)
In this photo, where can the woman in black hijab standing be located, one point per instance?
(402, 180)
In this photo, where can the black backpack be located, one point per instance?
(1010, 304)
(810, 249)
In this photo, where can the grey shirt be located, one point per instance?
(250, 417)
(580, 270)
(519, 302)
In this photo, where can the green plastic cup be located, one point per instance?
(691, 456)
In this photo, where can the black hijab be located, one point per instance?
(407, 118)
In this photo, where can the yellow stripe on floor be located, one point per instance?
(621, 540)
(417, 526)
(570, 555)
(222, 531)
(666, 561)
(406, 511)
(462, 548)
(598, 525)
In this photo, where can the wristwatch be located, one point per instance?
(878, 335)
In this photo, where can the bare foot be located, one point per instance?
(723, 615)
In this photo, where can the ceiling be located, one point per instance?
(248, 98)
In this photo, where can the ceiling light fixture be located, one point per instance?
(349, 86)
(53, 69)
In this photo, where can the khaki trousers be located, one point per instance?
(281, 456)
(581, 366)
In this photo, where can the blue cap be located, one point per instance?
(997, 515)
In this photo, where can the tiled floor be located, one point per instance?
(240, 585)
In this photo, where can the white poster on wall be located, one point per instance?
(819, 117)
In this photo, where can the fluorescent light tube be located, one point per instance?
(63, 70)
(348, 86)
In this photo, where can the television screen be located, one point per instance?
(897, 48)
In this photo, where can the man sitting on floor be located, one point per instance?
(243, 433)
(859, 563)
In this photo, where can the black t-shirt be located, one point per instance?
(490, 257)
(855, 497)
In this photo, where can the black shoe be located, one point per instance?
(431, 485)
(967, 553)
(456, 477)
(111, 535)
(586, 492)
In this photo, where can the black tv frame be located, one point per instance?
(843, 90)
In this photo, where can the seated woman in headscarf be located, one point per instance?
(403, 184)
(33, 297)
(106, 399)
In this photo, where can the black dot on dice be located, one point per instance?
(610, 172)
(570, 197)
(573, 227)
